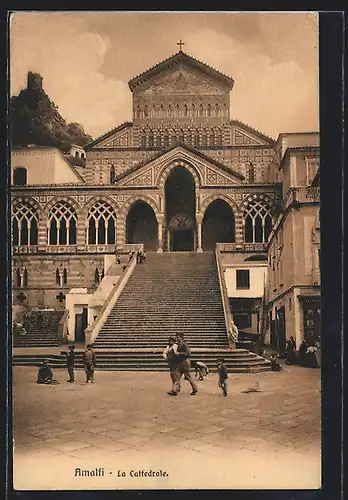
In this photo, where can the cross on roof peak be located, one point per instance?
(180, 43)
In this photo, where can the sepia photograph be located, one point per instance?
(165, 250)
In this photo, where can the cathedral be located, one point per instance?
(182, 176)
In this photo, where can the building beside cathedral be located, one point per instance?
(183, 175)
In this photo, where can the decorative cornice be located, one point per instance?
(175, 59)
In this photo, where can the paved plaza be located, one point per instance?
(126, 423)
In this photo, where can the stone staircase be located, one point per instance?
(43, 334)
(236, 360)
(173, 292)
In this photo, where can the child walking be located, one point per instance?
(223, 375)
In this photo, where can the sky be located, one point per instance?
(87, 58)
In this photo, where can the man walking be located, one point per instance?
(184, 366)
(70, 363)
(89, 360)
(170, 356)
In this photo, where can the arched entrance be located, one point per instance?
(141, 225)
(218, 225)
(180, 205)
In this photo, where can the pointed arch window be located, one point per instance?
(178, 112)
(18, 279)
(112, 174)
(201, 110)
(185, 110)
(257, 222)
(193, 110)
(57, 277)
(96, 276)
(138, 112)
(101, 227)
(65, 277)
(161, 111)
(146, 113)
(62, 223)
(251, 173)
(217, 110)
(25, 278)
(24, 226)
(209, 110)
(170, 111)
(181, 136)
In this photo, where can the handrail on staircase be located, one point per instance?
(93, 330)
(225, 301)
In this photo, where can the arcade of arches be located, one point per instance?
(180, 227)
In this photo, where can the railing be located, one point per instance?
(58, 248)
(225, 301)
(132, 247)
(77, 248)
(108, 248)
(233, 247)
(25, 249)
(302, 195)
(93, 330)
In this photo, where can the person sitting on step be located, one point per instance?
(45, 374)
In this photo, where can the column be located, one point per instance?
(239, 229)
(168, 235)
(160, 239)
(199, 234)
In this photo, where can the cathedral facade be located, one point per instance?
(183, 175)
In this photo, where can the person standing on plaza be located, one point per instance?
(223, 375)
(170, 356)
(184, 366)
(290, 351)
(70, 363)
(89, 361)
(302, 352)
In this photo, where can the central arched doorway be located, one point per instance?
(218, 225)
(141, 225)
(180, 205)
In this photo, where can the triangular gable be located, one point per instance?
(183, 59)
(244, 135)
(117, 137)
(209, 172)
